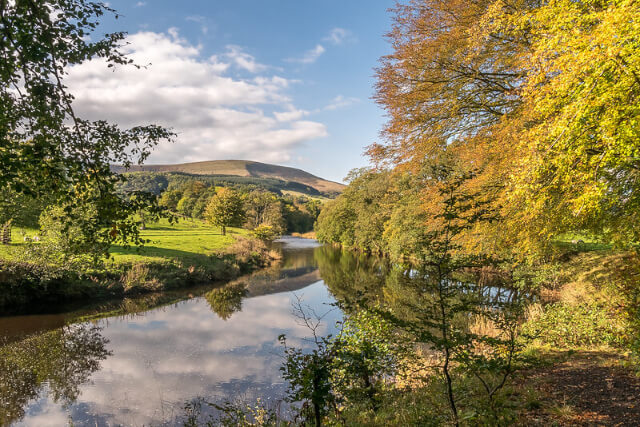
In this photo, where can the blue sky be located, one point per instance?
(282, 81)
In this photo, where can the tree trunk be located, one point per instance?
(5, 237)
(224, 230)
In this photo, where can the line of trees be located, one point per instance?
(265, 212)
(536, 102)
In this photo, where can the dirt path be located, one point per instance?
(585, 389)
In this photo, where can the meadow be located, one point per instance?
(188, 240)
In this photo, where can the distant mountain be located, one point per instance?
(243, 168)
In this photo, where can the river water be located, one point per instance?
(141, 361)
(141, 367)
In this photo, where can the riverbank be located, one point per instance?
(177, 256)
(587, 349)
(580, 358)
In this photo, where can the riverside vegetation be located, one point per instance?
(53, 263)
(511, 153)
(503, 201)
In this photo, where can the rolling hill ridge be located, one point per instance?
(244, 168)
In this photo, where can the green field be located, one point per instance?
(188, 240)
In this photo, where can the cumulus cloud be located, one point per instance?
(140, 4)
(215, 115)
(341, 102)
(309, 56)
(338, 36)
(243, 60)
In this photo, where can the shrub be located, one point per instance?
(564, 325)
(137, 279)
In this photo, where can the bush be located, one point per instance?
(564, 325)
(265, 232)
(137, 279)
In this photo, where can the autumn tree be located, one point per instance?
(264, 209)
(537, 98)
(225, 209)
(46, 148)
(578, 163)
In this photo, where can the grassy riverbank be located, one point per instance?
(579, 363)
(177, 255)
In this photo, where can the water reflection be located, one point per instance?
(59, 361)
(141, 366)
(221, 345)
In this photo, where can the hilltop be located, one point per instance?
(243, 168)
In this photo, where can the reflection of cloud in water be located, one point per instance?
(168, 356)
(43, 412)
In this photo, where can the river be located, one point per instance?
(141, 368)
(140, 361)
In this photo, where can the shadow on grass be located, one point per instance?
(154, 251)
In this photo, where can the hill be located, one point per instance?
(243, 168)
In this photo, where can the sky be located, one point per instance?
(288, 82)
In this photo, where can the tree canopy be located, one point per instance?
(536, 102)
(225, 209)
(47, 149)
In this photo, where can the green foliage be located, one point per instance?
(581, 325)
(232, 414)
(265, 232)
(357, 218)
(369, 352)
(226, 300)
(71, 242)
(264, 210)
(309, 377)
(46, 150)
(143, 182)
(170, 199)
(63, 359)
(225, 209)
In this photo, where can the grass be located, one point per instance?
(176, 256)
(308, 196)
(189, 240)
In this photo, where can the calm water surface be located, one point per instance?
(140, 369)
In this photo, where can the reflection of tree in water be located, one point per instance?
(352, 276)
(356, 278)
(227, 300)
(64, 359)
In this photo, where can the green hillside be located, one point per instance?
(245, 168)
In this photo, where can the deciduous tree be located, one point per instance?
(46, 148)
(225, 209)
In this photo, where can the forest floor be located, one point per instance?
(582, 388)
(587, 375)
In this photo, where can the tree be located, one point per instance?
(540, 98)
(46, 149)
(264, 209)
(579, 153)
(225, 209)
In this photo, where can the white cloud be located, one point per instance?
(291, 114)
(172, 354)
(140, 4)
(338, 36)
(215, 115)
(309, 56)
(243, 60)
(341, 102)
